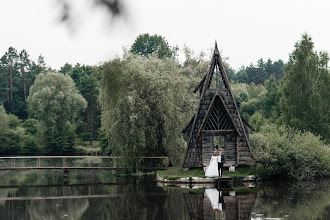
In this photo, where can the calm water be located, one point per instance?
(40, 194)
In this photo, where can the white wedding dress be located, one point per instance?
(212, 169)
(213, 195)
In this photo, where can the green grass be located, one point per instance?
(177, 172)
(245, 190)
(241, 172)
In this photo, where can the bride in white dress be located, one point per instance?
(212, 169)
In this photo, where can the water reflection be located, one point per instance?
(107, 195)
(219, 204)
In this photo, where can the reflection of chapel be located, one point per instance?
(237, 207)
(217, 122)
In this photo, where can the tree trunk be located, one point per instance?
(88, 125)
(7, 92)
(11, 84)
(24, 84)
(91, 127)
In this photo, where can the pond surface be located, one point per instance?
(93, 194)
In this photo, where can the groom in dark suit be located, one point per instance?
(221, 162)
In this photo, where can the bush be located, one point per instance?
(14, 121)
(257, 120)
(285, 153)
(31, 126)
(9, 143)
(61, 142)
(30, 146)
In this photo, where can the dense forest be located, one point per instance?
(139, 103)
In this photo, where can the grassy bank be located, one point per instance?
(177, 172)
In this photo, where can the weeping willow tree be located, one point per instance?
(146, 103)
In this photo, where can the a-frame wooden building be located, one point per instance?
(217, 118)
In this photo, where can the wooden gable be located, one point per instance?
(217, 115)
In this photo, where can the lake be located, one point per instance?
(97, 194)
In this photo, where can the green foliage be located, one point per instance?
(260, 72)
(3, 120)
(85, 78)
(146, 44)
(11, 137)
(69, 137)
(255, 91)
(14, 121)
(305, 100)
(17, 73)
(30, 146)
(66, 68)
(285, 153)
(271, 105)
(240, 92)
(250, 98)
(9, 143)
(60, 142)
(31, 126)
(54, 100)
(195, 64)
(257, 120)
(103, 142)
(145, 105)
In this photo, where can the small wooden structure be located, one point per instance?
(217, 118)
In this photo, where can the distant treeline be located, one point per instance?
(258, 73)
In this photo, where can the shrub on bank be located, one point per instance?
(30, 146)
(285, 153)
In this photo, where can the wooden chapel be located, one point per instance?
(217, 122)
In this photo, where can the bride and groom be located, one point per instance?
(216, 164)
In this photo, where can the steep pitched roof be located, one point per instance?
(218, 117)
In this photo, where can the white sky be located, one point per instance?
(245, 30)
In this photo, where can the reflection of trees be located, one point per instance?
(308, 200)
(40, 209)
(135, 201)
(139, 199)
(57, 209)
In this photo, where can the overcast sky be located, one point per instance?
(245, 30)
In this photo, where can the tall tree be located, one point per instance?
(9, 62)
(271, 107)
(87, 84)
(145, 118)
(145, 45)
(24, 65)
(66, 68)
(17, 73)
(55, 101)
(305, 101)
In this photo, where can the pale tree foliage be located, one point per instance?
(195, 64)
(146, 102)
(240, 91)
(3, 119)
(54, 100)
